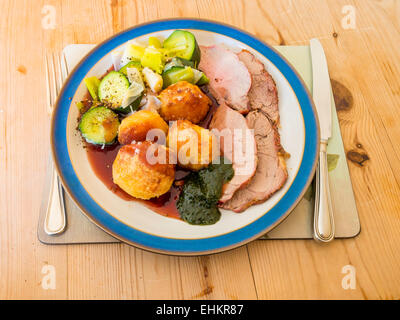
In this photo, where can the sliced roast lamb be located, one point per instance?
(271, 173)
(263, 94)
(230, 80)
(237, 144)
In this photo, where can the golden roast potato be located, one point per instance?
(136, 126)
(194, 146)
(184, 101)
(143, 170)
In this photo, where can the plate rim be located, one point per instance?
(163, 24)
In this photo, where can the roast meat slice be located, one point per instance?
(230, 81)
(237, 144)
(263, 94)
(271, 173)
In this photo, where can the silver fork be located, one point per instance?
(56, 72)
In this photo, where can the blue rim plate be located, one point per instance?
(156, 243)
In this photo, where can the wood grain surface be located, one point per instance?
(364, 63)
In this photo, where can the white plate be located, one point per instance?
(131, 221)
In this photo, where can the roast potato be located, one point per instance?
(136, 172)
(136, 126)
(184, 101)
(194, 146)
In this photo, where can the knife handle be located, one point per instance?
(324, 226)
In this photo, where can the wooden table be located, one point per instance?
(364, 61)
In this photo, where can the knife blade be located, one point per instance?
(324, 225)
(321, 88)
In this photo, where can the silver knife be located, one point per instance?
(324, 226)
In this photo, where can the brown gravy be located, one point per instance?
(101, 160)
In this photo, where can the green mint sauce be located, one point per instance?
(197, 203)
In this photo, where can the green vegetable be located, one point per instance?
(194, 207)
(176, 74)
(92, 84)
(132, 98)
(214, 177)
(99, 126)
(200, 78)
(153, 59)
(130, 64)
(183, 44)
(113, 88)
(197, 203)
(155, 42)
(178, 62)
(203, 80)
(132, 52)
(133, 106)
(80, 106)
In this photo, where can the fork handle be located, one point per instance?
(324, 226)
(54, 222)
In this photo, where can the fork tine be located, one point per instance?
(48, 91)
(58, 73)
(51, 82)
(54, 80)
(64, 63)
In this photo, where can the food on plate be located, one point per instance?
(92, 84)
(113, 88)
(117, 93)
(263, 94)
(197, 203)
(225, 156)
(176, 74)
(152, 103)
(179, 69)
(99, 126)
(179, 62)
(133, 52)
(132, 99)
(135, 172)
(271, 173)
(136, 126)
(230, 80)
(184, 101)
(155, 42)
(182, 44)
(153, 59)
(135, 77)
(232, 128)
(194, 146)
(131, 64)
(153, 80)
